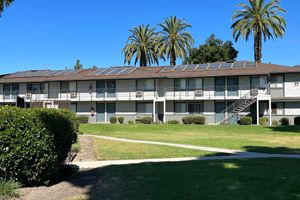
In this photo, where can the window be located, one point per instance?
(73, 107)
(10, 89)
(145, 85)
(195, 84)
(259, 82)
(36, 88)
(277, 108)
(180, 107)
(64, 87)
(195, 108)
(180, 84)
(144, 107)
(277, 81)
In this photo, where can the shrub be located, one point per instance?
(246, 120)
(146, 120)
(275, 122)
(284, 121)
(83, 119)
(9, 189)
(173, 122)
(199, 120)
(34, 143)
(113, 120)
(297, 121)
(187, 120)
(263, 121)
(121, 120)
(130, 122)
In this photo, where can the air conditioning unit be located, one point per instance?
(28, 95)
(198, 93)
(139, 94)
(254, 92)
(73, 95)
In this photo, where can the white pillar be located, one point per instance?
(270, 112)
(257, 112)
(165, 105)
(154, 115)
(105, 113)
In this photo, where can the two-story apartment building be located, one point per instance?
(223, 92)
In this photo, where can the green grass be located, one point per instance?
(247, 138)
(259, 179)
(9, 190)
(113, 150)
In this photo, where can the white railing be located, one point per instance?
(216, 92)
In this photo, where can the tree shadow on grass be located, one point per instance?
(289, 129)
(230, 179)
(272, 150)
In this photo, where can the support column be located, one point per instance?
(270, 112)
(257, 112)
(165, 105)
(105, 112)
(154, 115)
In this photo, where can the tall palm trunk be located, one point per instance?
(258, 46)
(143, 60)
(173, 57)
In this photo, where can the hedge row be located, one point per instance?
(34, 143)
(194, 120)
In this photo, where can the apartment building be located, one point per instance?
(223, 92)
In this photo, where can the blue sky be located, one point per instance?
(52, 34)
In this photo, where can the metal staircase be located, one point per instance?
(240, 105)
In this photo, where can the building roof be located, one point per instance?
(180, 71)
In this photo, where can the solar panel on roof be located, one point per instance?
(214, 65)
(250, 64)
(169, 68)
(226, 66)
(190, 67)
(238, 65)
(115, 71)
(202, 66)
(127, 70)
(180, 67)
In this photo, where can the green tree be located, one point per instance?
(94, 67)
(78, 65)
(4, 4)
(214, 50)
(175, 40)
(141, 44)
(261, 19)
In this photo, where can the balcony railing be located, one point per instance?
(216, 92)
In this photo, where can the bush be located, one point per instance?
(34, 143)
(284, 121)
(146, 120)
(275, 122)
(246, 120)
(83, 119)
(297, 121)
(130, 122)
(113, 120)
(199, 120)
(9, 189)
(121, 120)
(173, 122)
(263, 121)
(187, 120)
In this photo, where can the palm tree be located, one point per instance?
(4, 4)
(141, 44)
(262, 20)
(175, 41)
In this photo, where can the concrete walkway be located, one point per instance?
(234, 154)
(186, 146)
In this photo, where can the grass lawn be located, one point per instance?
(247, 138)
(260, 179)
(113, 150)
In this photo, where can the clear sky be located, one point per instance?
(40, 34)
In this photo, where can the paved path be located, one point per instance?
(186, 146)
(234, 154)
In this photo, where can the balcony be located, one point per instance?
(125, 94)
